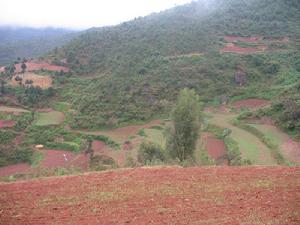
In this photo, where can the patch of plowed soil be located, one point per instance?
(57, 159)
(243, 39)
(37, 80)
(98, 146)
(6, 123)
(13, 169)
(243, 50)
(122, 134)
(210, 196)
(251, 103)
(291, 150)
(34, 66)
(215, 148)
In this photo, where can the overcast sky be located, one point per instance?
(78, 13)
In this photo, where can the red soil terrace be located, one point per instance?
(243, 50)
(98, 146)
(13, 169)
(251, 103)
(56, 158)
(210, 196)
(33, 66)
(215, 148)
(6, 123)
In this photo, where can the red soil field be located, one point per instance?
(210, 196)
(291, 149)
(98, 146)
(33, 66)
(133, 129)
(6, 123)
(80, 161)
(243, 39)
(55, 159)
(13, 169)
(215, 148)
(251, 103)
(127, 146)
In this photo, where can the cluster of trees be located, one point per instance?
(34, 96)
(182, 136)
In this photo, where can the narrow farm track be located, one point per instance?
(251, 147)
(207, 196)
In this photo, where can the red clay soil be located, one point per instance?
(33, 66)
(80, 161)
(45, 110)
(13, 169)
(133, 129)
(127, 146)
(210, 196)
(251, 103)
(98, 146)
(215, 148)
(243, 39)
(6, 123)
(291, 149)
(55, 159)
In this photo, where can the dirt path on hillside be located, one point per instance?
(250, 146)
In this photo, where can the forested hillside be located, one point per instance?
(138, 67)
(134, 71)
(20, 42)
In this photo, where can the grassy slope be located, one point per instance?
(49, 118)
(251, 147)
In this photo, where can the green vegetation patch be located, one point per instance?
(36, 158)
(49, 118)
(155, 136)
(67, 146)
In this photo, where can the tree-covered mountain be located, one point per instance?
(20, 42)
(195, 27)
(134, 71)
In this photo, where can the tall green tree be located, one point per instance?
(23, 67)
(183, 135)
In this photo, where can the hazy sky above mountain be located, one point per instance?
(78, 13)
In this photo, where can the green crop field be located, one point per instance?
(49, 118)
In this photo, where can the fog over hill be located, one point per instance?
(30, 42)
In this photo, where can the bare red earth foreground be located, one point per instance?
(33, 66)
(211, 195)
